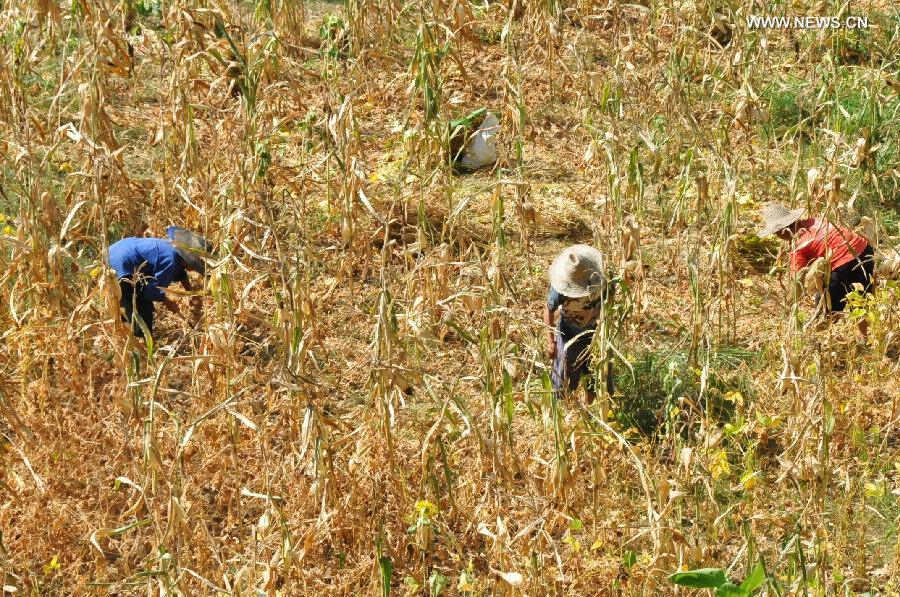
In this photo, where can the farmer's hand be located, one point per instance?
(551, 347)
(170, 305)
(196, 308)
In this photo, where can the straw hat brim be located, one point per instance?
(774, 225)
(191, 248)
(191, 261)
(562, 282)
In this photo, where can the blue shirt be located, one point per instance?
(576, 315)
(154, 259)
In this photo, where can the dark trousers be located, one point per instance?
(841, 281)
(133, 296)
(573, 363)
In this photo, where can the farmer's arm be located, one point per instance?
(153, 292)
(551, 335)
(550, 307)
(167, 271)
(800, 257)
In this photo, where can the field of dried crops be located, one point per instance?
(361, 405)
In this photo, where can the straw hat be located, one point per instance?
(776, 217)
(192, 248)
(577, 271)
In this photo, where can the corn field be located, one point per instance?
(359, 402)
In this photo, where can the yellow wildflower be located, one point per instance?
(426, 509)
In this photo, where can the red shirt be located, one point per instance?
(811, 243)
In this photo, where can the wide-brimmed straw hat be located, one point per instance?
(192, 248)
(577, 271)
(776, 217)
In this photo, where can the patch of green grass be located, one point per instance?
(858, 106)
(651, 398)
(790, 108)
(873, 45)
(759, 252)
(890, 220)
(861, 108)
(13, 34)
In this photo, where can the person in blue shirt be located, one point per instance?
(578, 288)
(146, 265)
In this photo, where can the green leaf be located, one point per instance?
(466, 121)
(436, 584)
(386, 567)
(215, 54)
(731, 590)
(630, 559)
(148, 337)
(756, 578)
(701, 578)
(220, 28)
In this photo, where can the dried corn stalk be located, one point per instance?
(632, 262)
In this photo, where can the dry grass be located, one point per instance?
(360, 407)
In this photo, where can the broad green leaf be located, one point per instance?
(466, 121)
(756, 578)
(731, 590)
(701, 578)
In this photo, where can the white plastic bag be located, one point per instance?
(481, 149)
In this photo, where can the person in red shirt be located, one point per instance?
(851, 256)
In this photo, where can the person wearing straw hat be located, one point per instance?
(578, 288)
(146, 265)
(850, 255)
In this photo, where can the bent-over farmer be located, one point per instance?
(851, 257)
(578, 288)
(146, 265)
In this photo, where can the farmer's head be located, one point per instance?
(191, 248)
(780, 221)
(578, 272)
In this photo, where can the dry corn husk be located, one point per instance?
(887, 263)
(866, 229)
(813, 184)
(812, 277)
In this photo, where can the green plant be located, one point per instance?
(714, 578)
(148, 7)
(877, 311)
(426, 64)
(759, 252)
(333, 36)
(461, 129)
(422, 526)
(790, 109)
(648, 395)
(245, 68)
